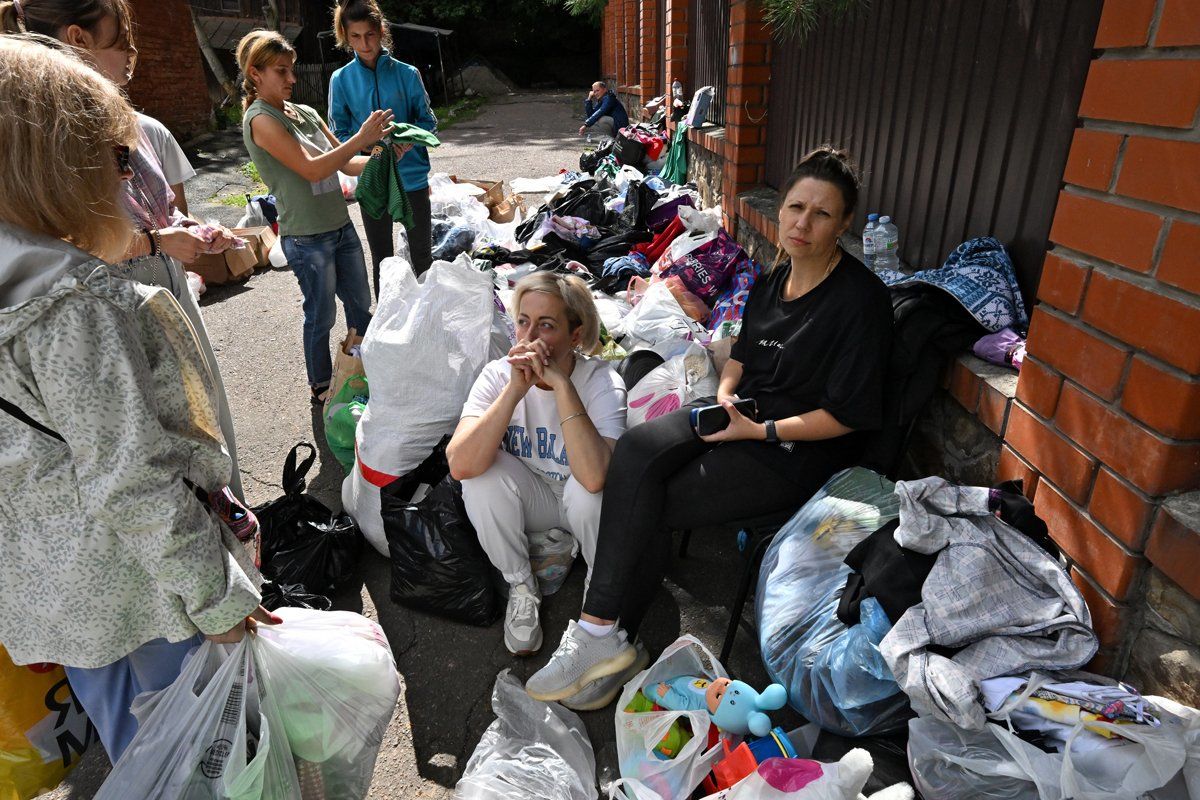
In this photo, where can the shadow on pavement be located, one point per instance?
(449, 668)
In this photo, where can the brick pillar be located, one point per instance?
(676, 12)
(1107, 417)
(170, 83)
(748, 74)
(632, 55)
(650, 79)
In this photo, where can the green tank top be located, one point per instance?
(305, 208)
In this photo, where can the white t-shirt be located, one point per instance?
(534, 433)
(175, 165)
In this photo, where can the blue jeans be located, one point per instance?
(106, 693)
(329, 264)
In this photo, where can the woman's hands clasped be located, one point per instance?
(533, 363)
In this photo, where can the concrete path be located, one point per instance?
(448, 669)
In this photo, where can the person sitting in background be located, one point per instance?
(602, 112)
(812, 354)
(109, 563)
(535, 440)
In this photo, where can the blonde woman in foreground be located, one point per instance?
(109, 564)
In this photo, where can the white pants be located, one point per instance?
(509, 500)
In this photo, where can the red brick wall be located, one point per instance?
(650, 80)
(169, 83)
(1107, 417)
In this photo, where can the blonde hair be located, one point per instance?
(60, 120)
(51, 17)
(259, 49)
(576, 296)
(347, 11)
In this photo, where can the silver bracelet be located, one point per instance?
(562, 422)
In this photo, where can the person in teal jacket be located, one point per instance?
(375, 81)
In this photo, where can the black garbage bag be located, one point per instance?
(303, 541)
(292, 595)
(438, 565)
(639, 199)
(589, 161)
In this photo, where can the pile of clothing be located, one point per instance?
(943, 613)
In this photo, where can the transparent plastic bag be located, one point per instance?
(533, 751)
(834, 674)
(951, 763)
(551, 556)
(302, 704)
(671, 385)
(639, 733)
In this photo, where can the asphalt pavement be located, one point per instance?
(448, 669)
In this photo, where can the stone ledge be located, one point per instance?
(711, 138)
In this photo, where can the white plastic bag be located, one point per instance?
(672, 384)
(950, 763)
(533, 751)
(427, 343)
(306, 706)
(697, 221)
(659, 318)
(253, 218)
(639, 733)
(276, 256)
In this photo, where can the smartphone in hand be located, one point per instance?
(708, 420)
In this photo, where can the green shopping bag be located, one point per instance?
(341, 418)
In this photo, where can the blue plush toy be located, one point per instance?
(735, 706)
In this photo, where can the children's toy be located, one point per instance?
(745, 759)
(735, 706)
(679, 734)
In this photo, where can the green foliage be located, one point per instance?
(250, 170)
(229, 116)
(590, 9)
(459, 111)
(799, 18)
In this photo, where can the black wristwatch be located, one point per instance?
(772, 436)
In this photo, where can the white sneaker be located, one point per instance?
(580, 659)
(603, 691)
(522, 628)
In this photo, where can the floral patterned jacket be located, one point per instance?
(103, 546)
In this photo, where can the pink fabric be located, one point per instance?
(789, 774)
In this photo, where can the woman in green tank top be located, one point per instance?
(299, 159)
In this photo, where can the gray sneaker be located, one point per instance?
(522, 629)
(580, 659)
(603, 691)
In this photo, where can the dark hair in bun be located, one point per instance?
(828, 163)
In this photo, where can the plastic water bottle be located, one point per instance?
(887, 244)
(869, 240)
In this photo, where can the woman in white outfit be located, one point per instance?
(535, 439)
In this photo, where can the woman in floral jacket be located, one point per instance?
(109, 564)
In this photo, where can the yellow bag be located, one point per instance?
(43, 729)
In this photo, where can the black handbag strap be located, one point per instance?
(20, 415)
(293, 474)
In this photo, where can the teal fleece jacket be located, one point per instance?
(355, 91)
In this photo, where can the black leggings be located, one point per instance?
(379, 236)
(663, 477)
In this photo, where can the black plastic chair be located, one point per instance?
(760, 531)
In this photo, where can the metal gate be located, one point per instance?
(708, 52)
(959, 113)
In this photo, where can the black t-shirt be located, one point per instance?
(828, 349)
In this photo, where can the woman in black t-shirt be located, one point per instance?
(812, 352)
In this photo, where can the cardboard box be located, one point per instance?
(260, 239)
(493, 191)
(506, 209)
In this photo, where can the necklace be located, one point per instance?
(833, 262)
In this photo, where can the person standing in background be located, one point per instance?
(376, 81)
